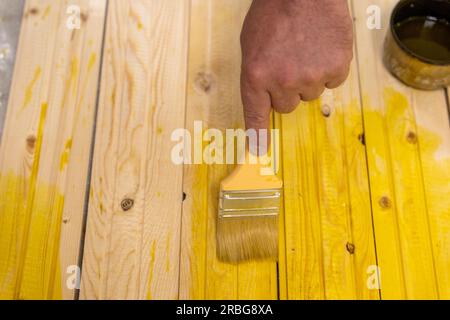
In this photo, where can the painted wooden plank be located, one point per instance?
(303, 235)
(327, 204)
(132, 240)
(433, 139)
(260, 280)
(282, 260)
(50, 114)
(401, 222)
(214, 98)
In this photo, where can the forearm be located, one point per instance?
(293, 7)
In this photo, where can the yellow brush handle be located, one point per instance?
(252, 175)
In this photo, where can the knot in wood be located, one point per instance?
(326, 110)
(127, 204)
(385, 202)
(31, 142)
(411, 137)
(350, 247)
(362, 138)
(204, 82)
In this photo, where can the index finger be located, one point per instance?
(257, 108)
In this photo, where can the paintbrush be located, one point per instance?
(249, 205)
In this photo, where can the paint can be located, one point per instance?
(417, 45)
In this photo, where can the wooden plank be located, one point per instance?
(213, 97)
(329, 240)
(259, 280)
(282, 260)
(133, 252)
(401, 222)
(50, 114)
(433, 139)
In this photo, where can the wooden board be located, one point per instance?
(133, 253)
(433, 132)
(214, 98)
(329, 240)
(44, 155)
(366, 168)
(408, 178)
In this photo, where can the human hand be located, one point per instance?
(291, 51)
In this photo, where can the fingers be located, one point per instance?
(262, 91)
(312, 93)
(337, 80)
(257, 106)
(284, 101)
(338, 74)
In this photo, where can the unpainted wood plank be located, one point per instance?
(214, 98)
(400, 210)
(132, 242)
(51, 115)
(74, 159)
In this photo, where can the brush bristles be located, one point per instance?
(241, 239)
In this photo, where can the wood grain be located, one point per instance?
(329, 239)
(433, 139)
(366, 167)
(408, 237)
(133, 253)
(214, 98)
(45, 149)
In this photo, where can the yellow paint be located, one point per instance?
(152, 265)
(259, 279)
(168, 252)
(31, 219)
(74, 67)
(64, 159)
(41, 277)
(71, 81)
(196, 203)
(92, 60)
(402, 231)
(91, 63)
(282, 276)
(34, 249)
(436, 175)
(304, 260)
(326, 202)
(30, 87)
(12, 212)
(32, 188)
(46, 12)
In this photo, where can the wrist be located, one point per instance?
(294, 6)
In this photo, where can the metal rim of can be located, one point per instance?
(401, 5)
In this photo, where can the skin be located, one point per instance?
(291, 51)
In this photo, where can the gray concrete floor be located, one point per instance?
(10, 20)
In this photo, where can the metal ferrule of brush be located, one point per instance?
(249, 203)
